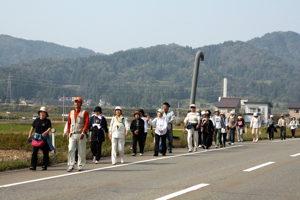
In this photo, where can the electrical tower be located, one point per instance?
(8, 91)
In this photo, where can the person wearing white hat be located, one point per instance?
(42, 127)
(192, 123)
(161, 125)
(282, 123)
(118, 129)
(271, 127)
(255, 126)
(232, 122)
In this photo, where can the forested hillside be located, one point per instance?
(15, 50)
(144, 77)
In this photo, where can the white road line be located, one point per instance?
(109, 167)
(259, 166)
(175, 194)
(298, 154)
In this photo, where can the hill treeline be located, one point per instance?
(262, 69)
(15, 50)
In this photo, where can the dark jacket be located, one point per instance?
(133, 127)
(208, 128)
(98, 134)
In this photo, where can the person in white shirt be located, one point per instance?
(282, 123)
(192, 123)
(161, 125)
(293, 125)
(255, 126)
(219, 124)
(119, 127)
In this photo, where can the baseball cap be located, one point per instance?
(79, 99)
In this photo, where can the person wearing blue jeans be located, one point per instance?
(170, 117)
(232, 122)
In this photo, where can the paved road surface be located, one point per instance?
(263, 170)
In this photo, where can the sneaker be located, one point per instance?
(216, 147)
(70, 168)
(94, 159)
(80, 168)
(44, 168)
(190, 151)
(203, 146)
(32, 168)
(195, 149)
(232, 143)
(96, 162)
(199, 146)
(170, 151)
(114, 163)
(141, 154)
(75, 162)
(133, 154)
(122, 160)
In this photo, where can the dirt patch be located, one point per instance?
(10, 155)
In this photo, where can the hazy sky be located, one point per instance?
(110, 26)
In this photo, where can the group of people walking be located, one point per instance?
(201, 128)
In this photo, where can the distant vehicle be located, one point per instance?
(25, 118)
(35, 116)
(7, 112)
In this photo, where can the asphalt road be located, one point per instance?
(263, 170)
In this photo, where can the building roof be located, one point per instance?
(269, 103)
(294, 105)
(227, 102)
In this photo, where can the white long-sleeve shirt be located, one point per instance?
(160, 124)
(117, 129)
(293, 124)
(145, 126)
(255, 123)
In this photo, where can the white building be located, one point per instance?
(263, 109)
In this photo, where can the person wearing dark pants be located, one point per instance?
(170, 117)
(293, 125)
(271, 127)
(283, 125)
(98, 126)
(34, 157)
(160, 124)
(207, 129)
(137, 129)
(163, 139)
(145, 119)
(42, 127)
(232, 122)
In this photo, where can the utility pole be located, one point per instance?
(8, 91)
(64, 107)
(177, 114)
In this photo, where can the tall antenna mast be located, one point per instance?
(8, 91)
